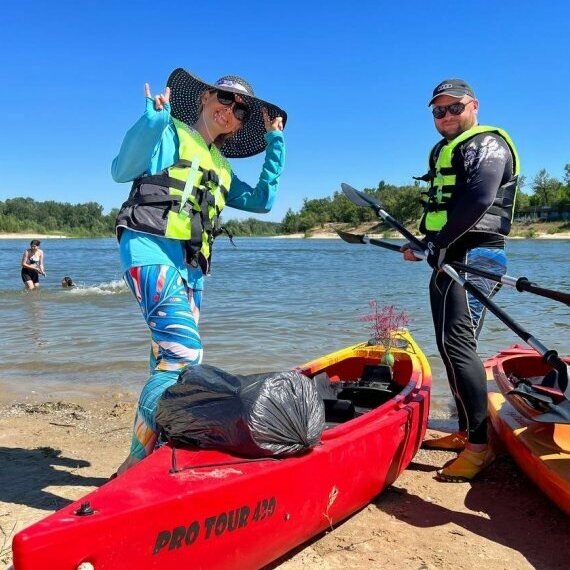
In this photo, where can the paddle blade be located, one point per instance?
(350, 238)
(359, 197)
(558, 414)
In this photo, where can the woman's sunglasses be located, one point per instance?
(439, 111)
(240, 111)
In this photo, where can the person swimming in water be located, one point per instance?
(67, 282)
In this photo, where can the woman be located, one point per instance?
(33, 265)
(176, 156)
(67, 282)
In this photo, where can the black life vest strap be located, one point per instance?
(162, 179)
(152, 199)
(498, 211)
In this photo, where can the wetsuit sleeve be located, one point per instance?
(260, 199)
(487, 162)
(148, 147)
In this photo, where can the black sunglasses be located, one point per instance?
(439, 111)
(240, 110)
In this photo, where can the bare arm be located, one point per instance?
(25, 261)
(41, 263)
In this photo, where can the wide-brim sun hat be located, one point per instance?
(185, 104)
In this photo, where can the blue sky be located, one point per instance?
(355, 78)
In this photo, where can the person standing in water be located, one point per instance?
(33, 265)
(176, 155)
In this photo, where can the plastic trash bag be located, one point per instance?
(272, 414)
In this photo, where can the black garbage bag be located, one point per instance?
(272, 414)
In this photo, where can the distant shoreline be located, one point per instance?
(30, 236)
(561, 235)
(320, 235)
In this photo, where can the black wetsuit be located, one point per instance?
(482, 164)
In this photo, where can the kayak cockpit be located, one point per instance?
(364, 390)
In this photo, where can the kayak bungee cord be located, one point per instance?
(550, 356)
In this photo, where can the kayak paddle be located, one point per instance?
(550, 356)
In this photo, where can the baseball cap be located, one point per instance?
(452, 87)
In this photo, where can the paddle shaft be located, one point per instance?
(519, 283)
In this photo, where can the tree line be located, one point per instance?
(26, 215)
(403, 203)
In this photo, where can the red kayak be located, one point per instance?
(187, 508)
(542, 450)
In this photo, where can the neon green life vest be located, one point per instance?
(442, 177)
(185, 200)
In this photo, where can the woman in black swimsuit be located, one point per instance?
(33, 265)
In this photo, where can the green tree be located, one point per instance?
(546, 189)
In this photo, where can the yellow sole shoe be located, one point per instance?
(466, 466)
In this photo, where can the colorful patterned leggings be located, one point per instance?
(171, 310)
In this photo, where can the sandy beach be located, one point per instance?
(53, 452)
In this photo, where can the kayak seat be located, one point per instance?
(370, 397)
(373, 373)
(345, 401)
(338, 411)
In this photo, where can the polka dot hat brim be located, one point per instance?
(185, 91)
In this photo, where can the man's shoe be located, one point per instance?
(452, 442)
(466, 466)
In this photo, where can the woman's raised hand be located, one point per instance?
(159, 100)
(272, 125)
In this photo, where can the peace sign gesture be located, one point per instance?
(159, 100)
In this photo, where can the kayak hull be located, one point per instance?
(541, 450)
(216, 510)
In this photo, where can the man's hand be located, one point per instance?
(436, 255)
(408, 252)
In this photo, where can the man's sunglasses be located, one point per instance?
(240, 111)
(439, 111)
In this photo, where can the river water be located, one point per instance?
(270, 304)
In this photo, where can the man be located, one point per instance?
(468, 207)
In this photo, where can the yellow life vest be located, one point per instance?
(185, 200)
(442, 178)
